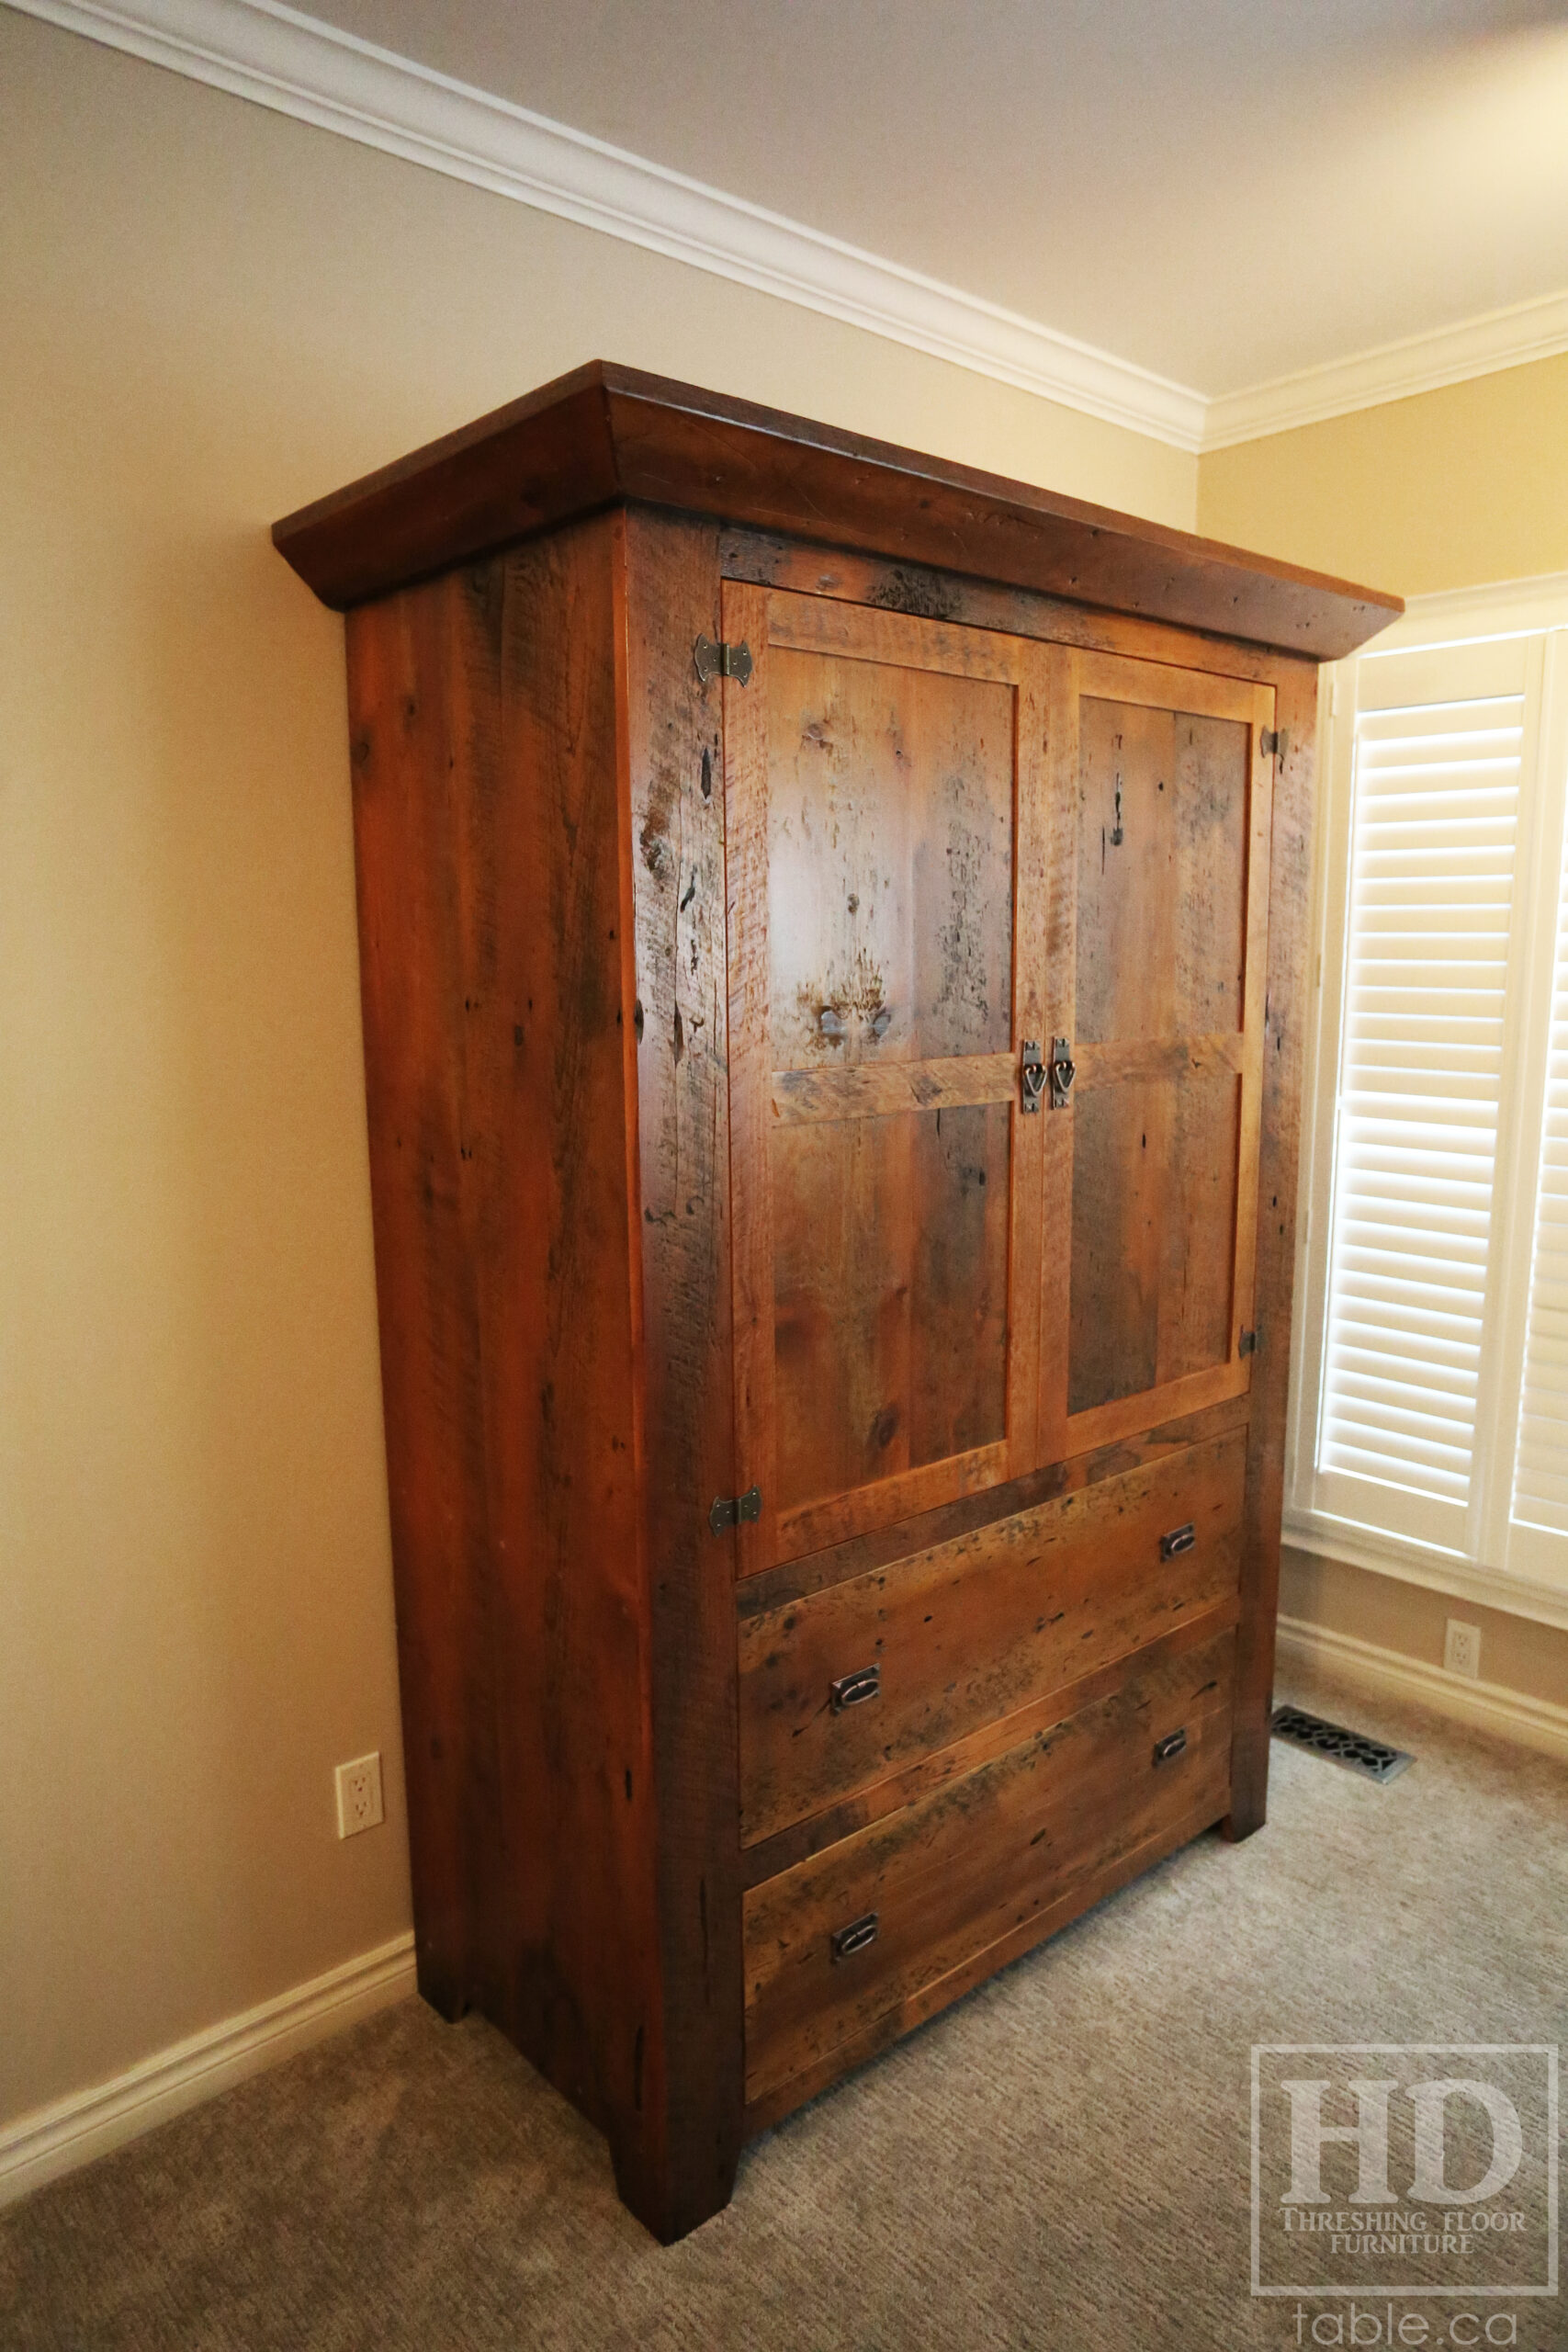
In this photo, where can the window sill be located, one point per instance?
(1385, 1556)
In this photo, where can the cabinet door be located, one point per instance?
(1159, 953)
(883, 805)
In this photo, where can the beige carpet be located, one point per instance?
(1062, 2160)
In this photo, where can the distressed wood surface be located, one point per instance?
(940, 1766)
(881, 1546)
(412, 953)
(1284, 1035)
(879, 778)
(882, 1089)
(971, 1630)
(969, 1863)
(606, 432)
(1170, 944)
(600, 1086)
(484, 731)
(679, 1194)
(924, 591)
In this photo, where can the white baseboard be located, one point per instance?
(55, 2139)
(1534, 1723)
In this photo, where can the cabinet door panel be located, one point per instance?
(890, 1265)
(1157, 979)
(884, 796)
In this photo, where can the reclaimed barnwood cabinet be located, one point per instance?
(831, 926)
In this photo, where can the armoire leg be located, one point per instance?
(674, 2195)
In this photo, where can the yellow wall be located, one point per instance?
(1451, 490)
(210, 315)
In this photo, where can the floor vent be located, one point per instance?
(1371, 1758)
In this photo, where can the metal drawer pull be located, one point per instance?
(1180, 1539)
(848, 1940)
(854, 1689)
(1171, 1745)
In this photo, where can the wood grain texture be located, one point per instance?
(924, 591)
(683, 2167)
(882, 1089)
(606, 433)
(1172, 840)
(499, 1140)
(692, 1024)
(975, 1860)
(745, 784)
(881, 1546)
(1285, 1024)
(972, 1630)
(879, 776)
(936, 1769)
(864, 2041)
(411, 980)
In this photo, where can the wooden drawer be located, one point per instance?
(962, 1880)
(974, 1629)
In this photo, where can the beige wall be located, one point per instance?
(212, 314)
(1450, 489)
(1516, 1652)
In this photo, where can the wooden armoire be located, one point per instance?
(832, 931)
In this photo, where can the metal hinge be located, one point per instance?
(1274, 742)
(729, 1511)
(723, 661)
(1248, 1344)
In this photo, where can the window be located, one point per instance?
(1429, 1431)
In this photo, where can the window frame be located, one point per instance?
(1501, 1564)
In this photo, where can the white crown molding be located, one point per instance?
(261, 50)
(57, 2138)
(1487, 1706)
(277, 57)
(1396, 372)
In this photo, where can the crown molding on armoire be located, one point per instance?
(607, 433)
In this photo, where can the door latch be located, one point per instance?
(1032, 1074)
(1274, 742)
(1064, 1069)
(730, 1510)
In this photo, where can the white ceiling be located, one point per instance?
(1221, 191)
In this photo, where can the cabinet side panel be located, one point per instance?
(503, 1264)
(1289, 881)
(677, 862)
(411, 956)
(546, 1016)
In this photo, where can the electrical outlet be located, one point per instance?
(1461, 1649)
(359, 1795)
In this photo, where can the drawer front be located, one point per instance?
(836, 1942)
(971, 1630)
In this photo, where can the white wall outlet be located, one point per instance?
(1461, 1649)
(359, 1795)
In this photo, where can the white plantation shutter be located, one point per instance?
(1540, 1473)
(1431, 1415)
(1435, 820)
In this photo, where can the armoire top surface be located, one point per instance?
(606, 434)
